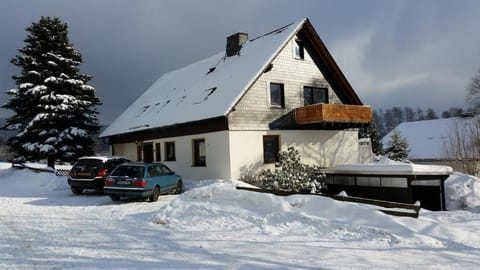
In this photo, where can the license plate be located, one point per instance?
(123, 182)
(83, 174)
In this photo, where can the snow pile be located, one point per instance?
(5, 165)
(462, 192)
(218, 206)
(214, 226)
(23, 182)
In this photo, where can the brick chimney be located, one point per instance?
(235, 43)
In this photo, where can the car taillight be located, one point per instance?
(109, 182)
(140, 183)
(102, 173)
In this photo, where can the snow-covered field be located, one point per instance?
(214, 226)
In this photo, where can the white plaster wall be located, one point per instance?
(128, 150)
(231, 154)
(217, 155)
(324, 148)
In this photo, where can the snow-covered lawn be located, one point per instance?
(214, 226)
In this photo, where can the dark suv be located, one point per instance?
(90, 172)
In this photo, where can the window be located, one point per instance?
(169, 151)
(370, 181)
(298, 50)
(271, 148)
(166, 170)
(158, 156)
(148, 152)
(277, 98)
(199, 152)
(399, 182)
(329, 179)
(153, 171)
(139, 152)
(314, 95)
(345, 180)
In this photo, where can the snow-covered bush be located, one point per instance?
(291, 174)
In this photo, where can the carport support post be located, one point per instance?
(409, 190)
(443, 207)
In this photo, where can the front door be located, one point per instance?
(148, 152)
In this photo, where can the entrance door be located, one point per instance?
(148, 152)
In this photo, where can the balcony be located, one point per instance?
(325, 116)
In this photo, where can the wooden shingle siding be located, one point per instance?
(253, 111)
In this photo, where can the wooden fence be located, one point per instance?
(389, 208)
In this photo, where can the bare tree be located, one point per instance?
(473, 92)
(462, 146)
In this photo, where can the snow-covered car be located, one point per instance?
(142, 180)
(90, 172)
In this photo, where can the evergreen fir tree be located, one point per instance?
(54, 107)
(377, 145)
(397, 147)
(371, 132)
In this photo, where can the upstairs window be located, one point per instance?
(314, 95)
(298, 50)
(277, 97)
(169, 151)
(199, 155)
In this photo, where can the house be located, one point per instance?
(429, 141)
(228, 116)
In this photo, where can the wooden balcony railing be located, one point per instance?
(336, 113)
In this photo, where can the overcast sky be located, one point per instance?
(394, 53)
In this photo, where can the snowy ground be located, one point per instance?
(214, 226)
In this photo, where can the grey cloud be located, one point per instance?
(127, 45)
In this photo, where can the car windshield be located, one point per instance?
(90, 163)
(129, 171)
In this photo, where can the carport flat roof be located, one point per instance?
(389, 169)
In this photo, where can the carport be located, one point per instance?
(399, 182)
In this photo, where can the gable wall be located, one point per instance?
(253, 111)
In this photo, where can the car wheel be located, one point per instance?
(179, 187)
(155, 194)
(115, 198)
(76, 191)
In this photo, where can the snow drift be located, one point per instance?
(214, 226)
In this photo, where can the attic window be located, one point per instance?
(299, 50)
(182, 99)
(145, 108)
(163, 105)
(212, 69)
(204, 97)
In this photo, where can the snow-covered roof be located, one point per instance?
(205, 89)
(391, 169)
(426, 138)
(386, 166)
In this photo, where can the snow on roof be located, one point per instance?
(426, 138)
(389, 167)
(206, 89)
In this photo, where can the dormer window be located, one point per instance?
(299, 50)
